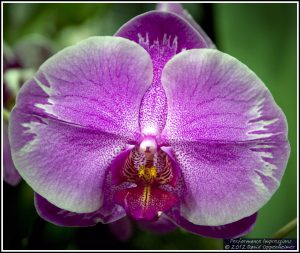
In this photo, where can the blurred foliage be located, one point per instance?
(263, 36)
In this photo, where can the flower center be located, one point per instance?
(148, 175)
(149, 168)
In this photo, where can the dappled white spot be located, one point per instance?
(45, 88)
(32, 128)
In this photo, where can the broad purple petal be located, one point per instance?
(64, 163)
(163, 35)
(10, 174)
(228, 135)
(232, 230)
(98, 83)
(109, 211)
(75, 116)
(61, 217)
(177, 9)
(213, 96)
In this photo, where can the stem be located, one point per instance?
(6, 114)
(285, 230)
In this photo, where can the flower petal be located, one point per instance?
(109, 211)
(177, 9)
(61, 217)
(75, 116)
(158, 23)
(228, 135)
(98, 83)
(163, 35)
(66, 164)
(10, 174)
(213, 96)
(227, 231)
(144, 203)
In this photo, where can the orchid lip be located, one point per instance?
(149, 168)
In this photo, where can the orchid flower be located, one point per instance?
(152, 122)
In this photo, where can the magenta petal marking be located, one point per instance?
(145, 203)
(226, 231)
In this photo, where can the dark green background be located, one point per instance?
(263, 36)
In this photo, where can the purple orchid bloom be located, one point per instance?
(153, 122)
